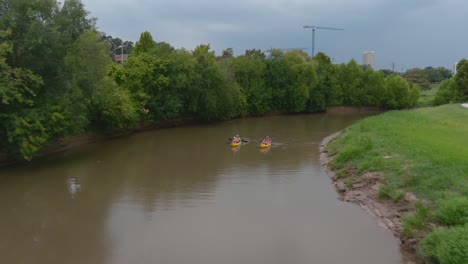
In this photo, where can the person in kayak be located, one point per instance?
(266, 140)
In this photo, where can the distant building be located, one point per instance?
(368, 58)
(454, 69)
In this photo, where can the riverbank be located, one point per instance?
(363, 191)
(409, 170)
(90, 137)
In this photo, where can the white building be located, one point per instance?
(368, 58)
(454, 69)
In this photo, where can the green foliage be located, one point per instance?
(447, 92)
(447, 245)
(323, 94)
(26, 133)
(453, 211)
(303, 79)
(18, 87)
(112, 106)
(397, 93)
(437, 75)
(418, 77)
(87, 61)
(461, 80)
(145, 44)
(415, 221)
(276, 79)
(249, 74)
(350, 84)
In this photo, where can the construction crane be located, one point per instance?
(313, 35)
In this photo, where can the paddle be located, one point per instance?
(243, 140)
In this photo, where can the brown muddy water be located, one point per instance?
(182, 195)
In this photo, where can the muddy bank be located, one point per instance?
(64, 144)
(363, 190)
(354, 110)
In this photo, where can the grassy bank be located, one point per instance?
(423, 151)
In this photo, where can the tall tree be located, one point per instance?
(145, 44)
(325, 92)
(461, 79)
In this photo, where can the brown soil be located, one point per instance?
(363, 190)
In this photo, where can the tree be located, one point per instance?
(302, 79)
(145, 77)
(447, 92)
(249, 73)
(277, 79)
(227, 54)
(350, 84)
(145, 44)
(373, 88)
(419, 77)
(72, 20)
(461, 80)
(437, 75)
(20, 135)
(397, 93)
(325, 92)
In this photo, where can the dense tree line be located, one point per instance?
(57, 79)
(427, 76)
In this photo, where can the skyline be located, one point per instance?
(419, 33)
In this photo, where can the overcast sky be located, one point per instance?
(409, 33)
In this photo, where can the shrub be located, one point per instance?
(447, 245)
(453, 211)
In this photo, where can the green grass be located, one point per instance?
(447, 245)
(426, 97)
(414, 222)
(424, 151)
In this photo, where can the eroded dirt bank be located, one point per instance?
(363, 190)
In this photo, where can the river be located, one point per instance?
(183, 195)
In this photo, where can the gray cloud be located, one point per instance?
(414, 33)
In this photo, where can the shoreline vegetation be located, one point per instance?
(408, 169)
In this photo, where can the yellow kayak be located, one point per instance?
(265, 145)
(235, 144)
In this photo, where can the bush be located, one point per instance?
(453, 211)
(447, 246)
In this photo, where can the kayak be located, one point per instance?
(265, 145)
(235, 144)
